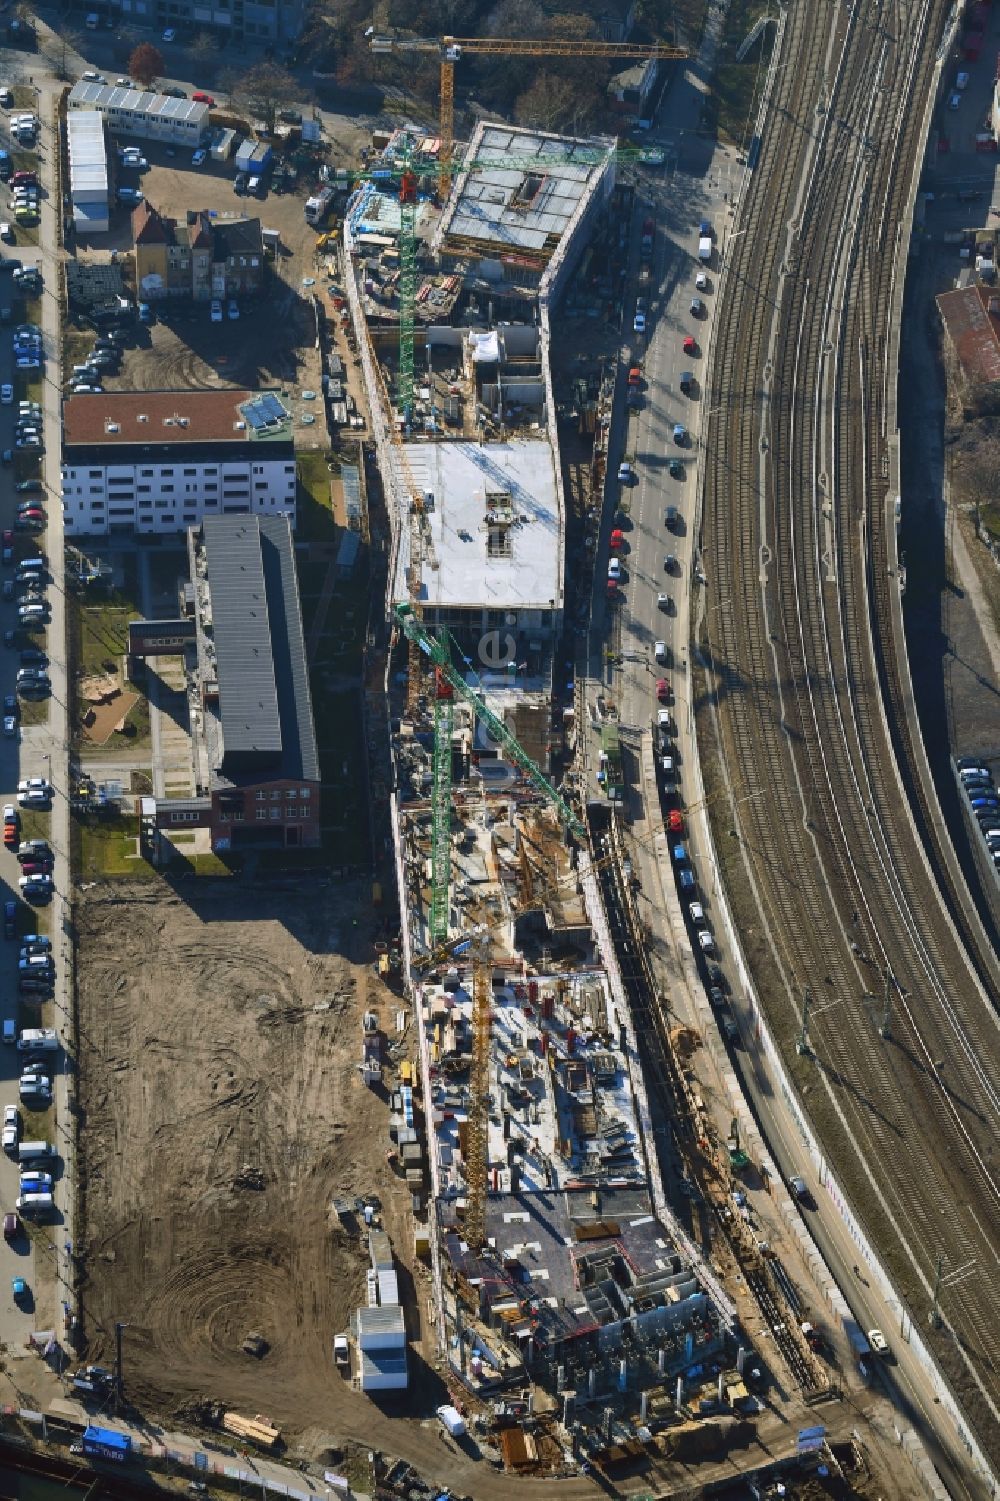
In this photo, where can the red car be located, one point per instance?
(675, 822)
(202, 98)
(11, 1227)
(663, 690)
(690, 346)
(635, 376)
(617, 538)
(8, 538)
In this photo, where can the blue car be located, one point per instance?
(19, 1288)
(985, 802)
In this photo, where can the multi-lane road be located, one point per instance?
(841, 887)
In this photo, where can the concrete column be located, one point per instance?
(644, 1407)
(622, 1375)
(679, 1394)
(592, 1383)
(661, 1360)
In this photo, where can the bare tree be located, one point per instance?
(549, 104)
(976, 473)
(60, 44)
(203, 52)
(265, 90)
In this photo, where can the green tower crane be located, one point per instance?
(448, 683)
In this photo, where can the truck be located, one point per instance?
(705, 249)
(106, 1443)
(341, 1352)
(452, 1420)
(318, 205)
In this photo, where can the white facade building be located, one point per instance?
(136, 112)
(156, 462)
(382, 1348)
(88, 171)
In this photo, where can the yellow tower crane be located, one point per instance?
(452, 49)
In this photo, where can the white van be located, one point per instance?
(34, 1151)
(38, 1038)
(34, 1203)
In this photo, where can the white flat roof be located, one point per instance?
(88, 163)
(135, 102)
(524, 205)
(465, 480)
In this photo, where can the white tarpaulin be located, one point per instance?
(485, 348)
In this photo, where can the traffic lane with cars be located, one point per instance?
(18, 1312)
(666, 476)
(666, 469)
(36, 1119)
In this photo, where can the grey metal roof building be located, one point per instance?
(88, 171)
(265, 706)
(142, 113)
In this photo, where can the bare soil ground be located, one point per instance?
(221, 1110)
(272, 343)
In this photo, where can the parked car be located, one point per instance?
(35, 788)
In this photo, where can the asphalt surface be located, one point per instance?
(701, 184)
(40, 750)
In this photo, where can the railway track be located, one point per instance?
(810, 698)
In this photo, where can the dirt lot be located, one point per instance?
(272, 342)
(221, 1111)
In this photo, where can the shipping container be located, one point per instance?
(223, 145)
(106, 1443)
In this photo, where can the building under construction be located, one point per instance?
(555, 1261)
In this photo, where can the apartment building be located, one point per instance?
(155, 462)
(253, 20)
(202, 258)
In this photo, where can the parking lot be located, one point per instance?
(272, 343)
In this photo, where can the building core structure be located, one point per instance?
(581, 1283)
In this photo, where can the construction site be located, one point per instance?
(575, 1314)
